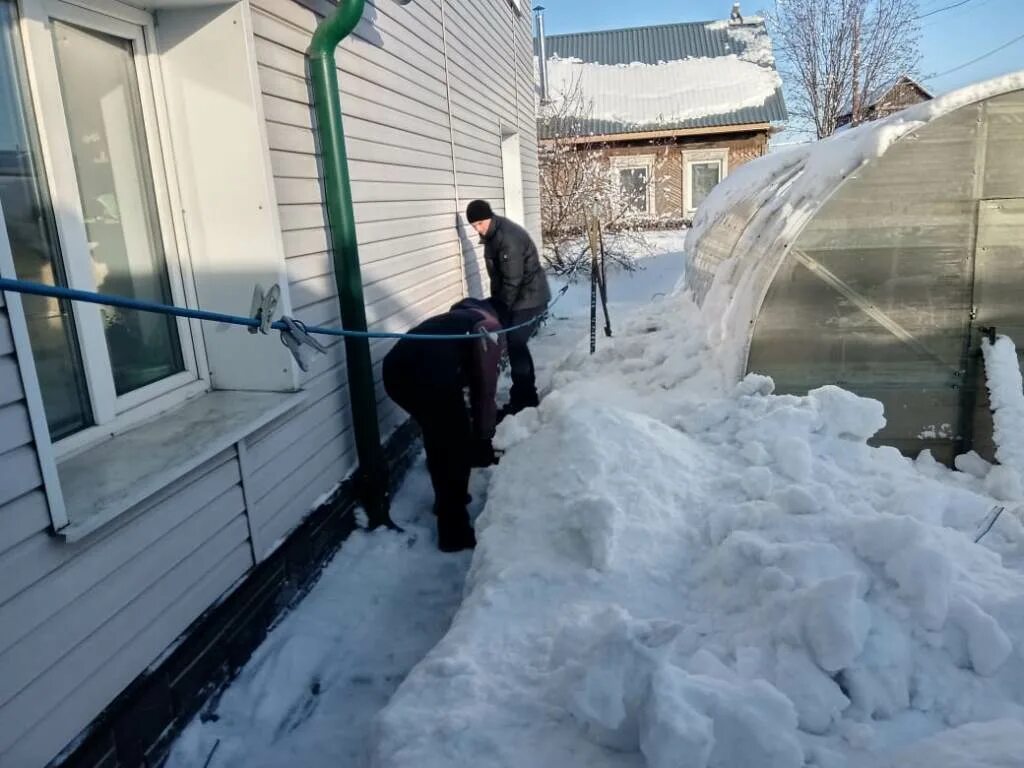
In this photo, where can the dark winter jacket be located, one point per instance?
(471, 362)
(513, 264)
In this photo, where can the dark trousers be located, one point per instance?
(523, 393)
(436, 402)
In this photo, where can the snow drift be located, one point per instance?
(675, 570)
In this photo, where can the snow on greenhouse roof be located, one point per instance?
(823, 165)
(743, 230)
(672, 76)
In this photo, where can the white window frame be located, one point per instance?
(111, 413)
(512, 176)
(698, 157)
(637, 162)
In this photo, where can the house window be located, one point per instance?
(634, 178)
(704, 176)
(83, 194)
(702, 170)
(633, 184)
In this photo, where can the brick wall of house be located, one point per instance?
(668, 163)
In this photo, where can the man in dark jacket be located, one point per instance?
(427, 378)
(519, 284)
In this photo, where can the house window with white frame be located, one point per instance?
(702, 171)
(634, 175)
(85, 201)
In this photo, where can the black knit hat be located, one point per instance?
(479, 210)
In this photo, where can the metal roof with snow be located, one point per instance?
(718, 93)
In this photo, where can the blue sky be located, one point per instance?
(948, 39)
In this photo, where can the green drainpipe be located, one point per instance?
(372, 475)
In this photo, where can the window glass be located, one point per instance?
(633, 183)
(703, 178)
(103, 109)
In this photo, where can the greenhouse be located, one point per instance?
(878, 259)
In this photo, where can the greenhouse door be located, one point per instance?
(998, 263)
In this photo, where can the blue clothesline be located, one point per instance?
(284, 325)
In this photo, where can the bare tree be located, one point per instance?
(834, 53)
(577, 187)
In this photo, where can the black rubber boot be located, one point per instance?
(469, 500)
(455, 532)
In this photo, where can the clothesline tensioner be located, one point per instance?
(294, 335)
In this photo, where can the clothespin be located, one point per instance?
(294, 336)
(263, 307)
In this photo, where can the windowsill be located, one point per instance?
(114, 476)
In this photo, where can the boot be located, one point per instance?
(455, 533)
(469, 500)
(519, 400)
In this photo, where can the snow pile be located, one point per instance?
(641, 94)
(674, 570)
(1006, 395)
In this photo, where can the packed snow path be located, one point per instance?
(310, 692)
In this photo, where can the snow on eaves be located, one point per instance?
(665, 93)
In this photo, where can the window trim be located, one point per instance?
(176, 52)
(636, 162)
(112, 413)
(693, 157)
(30, 385)
(512, 176)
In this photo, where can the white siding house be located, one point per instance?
(166, 150)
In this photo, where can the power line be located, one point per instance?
(979, 58)
(935, 20)
(944, 8)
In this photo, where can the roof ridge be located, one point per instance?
(656, 26)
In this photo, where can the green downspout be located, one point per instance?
(372, 475)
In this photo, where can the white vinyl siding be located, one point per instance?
(79, 622)
(395, 108)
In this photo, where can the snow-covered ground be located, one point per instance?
(659, 269)
(310, 693)
(673, 571)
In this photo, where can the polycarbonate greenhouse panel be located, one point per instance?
(1004, 167)
(871, 260)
